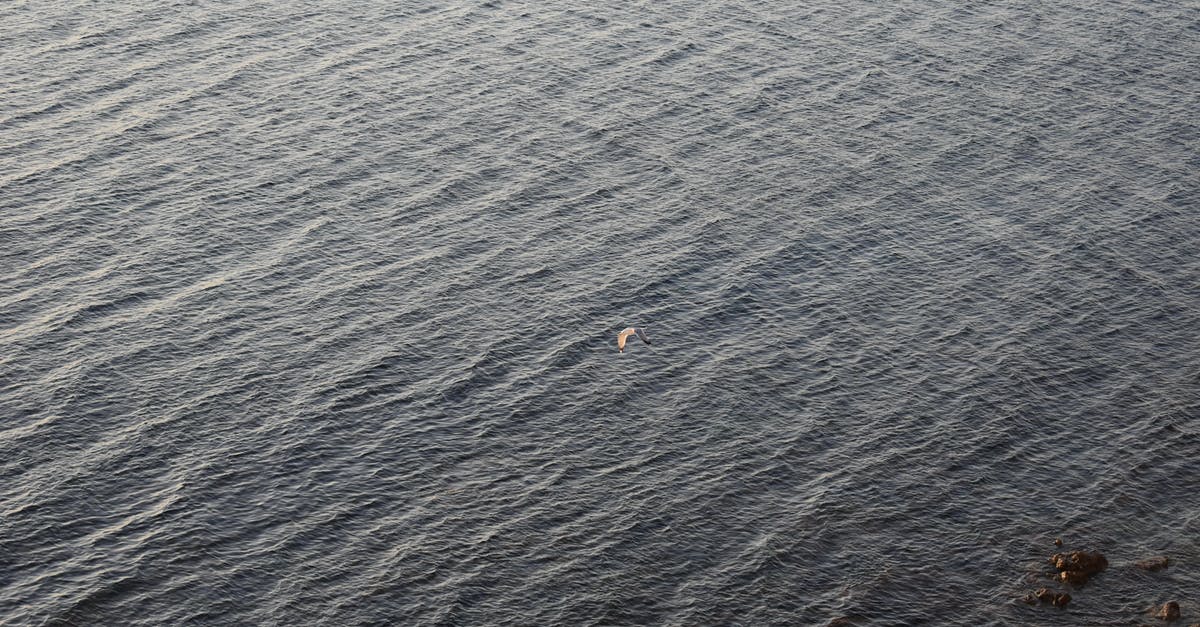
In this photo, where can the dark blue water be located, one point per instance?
(308, 311)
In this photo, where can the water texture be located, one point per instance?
(308, 311)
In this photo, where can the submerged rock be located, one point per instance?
(1046, 595)
(1074, 577)
(1152, 564)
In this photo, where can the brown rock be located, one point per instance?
(1077, 566)
(841, 622)
(1058, 542)
(1152, 564)
(1089, 563)
(1170, 611)
(1046, 595)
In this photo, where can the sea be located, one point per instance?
(308, 311)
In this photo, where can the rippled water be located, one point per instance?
(308, 311)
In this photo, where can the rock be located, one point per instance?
(1058, 542)
(1152, 564)
(1077, 566)
(1169, 611)
(1046, 595)
(1089, 563)
(841, 622)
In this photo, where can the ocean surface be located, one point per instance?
(308, 311)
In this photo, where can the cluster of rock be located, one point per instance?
(1046, 595)
(1076, 567)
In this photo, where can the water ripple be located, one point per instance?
(308, 313)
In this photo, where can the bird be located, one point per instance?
(624, 335)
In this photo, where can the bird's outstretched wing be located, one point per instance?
(622, 336)
(642, 334)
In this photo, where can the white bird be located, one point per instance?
(624, 335)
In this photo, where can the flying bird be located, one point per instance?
(624, 335)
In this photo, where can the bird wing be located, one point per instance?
(622, 336)
(642, 334)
